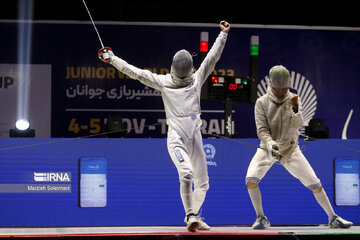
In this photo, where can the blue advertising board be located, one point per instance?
(324, 65)
(40, 183)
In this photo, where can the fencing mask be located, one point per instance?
(182, 68)
(279, 77)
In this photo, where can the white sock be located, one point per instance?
(255, 197)
(186, 194)
(198, 200)
(199, 197)
(324, 202)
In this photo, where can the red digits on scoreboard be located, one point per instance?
(233, 86)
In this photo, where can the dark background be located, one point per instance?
(313, 13)
(319, 55)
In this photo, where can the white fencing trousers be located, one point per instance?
(189, 158)
(297, 166)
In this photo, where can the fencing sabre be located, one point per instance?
(102, 45)
(103, 49)
(276, 154)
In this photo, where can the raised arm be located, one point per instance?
(213, 56)
(144, 76)
(297, 119)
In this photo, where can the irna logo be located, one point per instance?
(52, 177)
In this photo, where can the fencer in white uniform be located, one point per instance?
(180, 91)
(278, 117)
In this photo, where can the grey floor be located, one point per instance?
(170, 230)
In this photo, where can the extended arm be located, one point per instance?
(208, 64)
(144, 76)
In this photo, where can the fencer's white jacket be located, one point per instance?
(182, 104)
(275, 120)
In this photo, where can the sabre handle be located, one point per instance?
(105, 54)
(276, 154)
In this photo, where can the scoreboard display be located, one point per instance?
(221, 88)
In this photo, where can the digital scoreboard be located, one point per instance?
(229, 89)
(221, 88)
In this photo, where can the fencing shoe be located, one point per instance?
(192, 222)
(338, 222)
(202, 225)
(261, 223)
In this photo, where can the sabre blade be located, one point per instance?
(102, 45)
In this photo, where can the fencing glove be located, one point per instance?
(105, 54)
(272, 148)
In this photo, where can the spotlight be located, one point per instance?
(22, 124)
(22, 129)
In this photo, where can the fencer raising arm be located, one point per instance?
(157, 81)
(213, 56)
(297, 119)
(144, 76)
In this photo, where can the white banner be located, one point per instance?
(38, 102)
